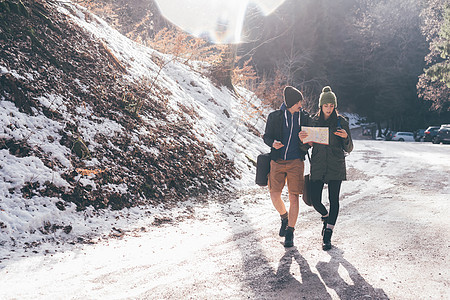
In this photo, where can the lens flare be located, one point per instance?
(219, 21)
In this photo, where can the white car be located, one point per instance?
(403, 137)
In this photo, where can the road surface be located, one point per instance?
(391, 241)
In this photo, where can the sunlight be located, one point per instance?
(215, 20)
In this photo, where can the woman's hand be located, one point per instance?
(277, 144)
(341, 133)
(302, 135)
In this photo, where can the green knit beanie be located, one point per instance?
(327, 96)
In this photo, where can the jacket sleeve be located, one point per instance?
(269, 136)
(347, 143)
(306, 120)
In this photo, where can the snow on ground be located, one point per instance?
(221, 118)
(391, 242)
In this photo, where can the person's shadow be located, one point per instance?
(288, 287)
(360, 289)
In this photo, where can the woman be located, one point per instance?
(328, 161)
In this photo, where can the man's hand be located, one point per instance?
(302, 135)
(277, 144)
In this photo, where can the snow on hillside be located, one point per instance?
(35, 157)
(192, 90)
(219, 117)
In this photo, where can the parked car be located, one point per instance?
(403, 136)
(443, 135)
(430, 133)
(389, 136)
(419, 135)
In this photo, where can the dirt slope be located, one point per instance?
(45, 55)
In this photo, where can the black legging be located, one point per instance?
(334, 187)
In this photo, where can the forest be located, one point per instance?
(386, 60)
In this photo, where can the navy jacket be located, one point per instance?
(282, 126)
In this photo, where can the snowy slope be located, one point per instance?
(34, 173)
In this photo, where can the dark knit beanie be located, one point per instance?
(327, 96)
(292, 96)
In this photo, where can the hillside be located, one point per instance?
(90, 120)
(136, 19)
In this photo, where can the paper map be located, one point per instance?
(316, 134)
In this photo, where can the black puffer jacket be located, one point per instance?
(328, 161)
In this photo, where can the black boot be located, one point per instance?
(327, 239)
(284, 224)
(289, 238)
(324, 220)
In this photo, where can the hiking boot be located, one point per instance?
(289, 238)
(327, 239)
(324, 220)
(284, 224)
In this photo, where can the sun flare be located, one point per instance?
(215, 20)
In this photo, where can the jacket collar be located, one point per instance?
(287, 113)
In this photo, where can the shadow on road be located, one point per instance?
(265, 282)
(359, 289)
(260, 276)
(289, 287)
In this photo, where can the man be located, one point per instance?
(287, 154)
